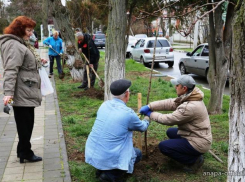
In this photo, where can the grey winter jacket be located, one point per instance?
(21, 76)
(191, 116)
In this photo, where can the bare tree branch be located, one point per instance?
(186, 33)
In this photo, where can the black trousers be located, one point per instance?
(24, 118)
(51, 64)
(92, 77)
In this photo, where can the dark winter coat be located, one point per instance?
(89, 49)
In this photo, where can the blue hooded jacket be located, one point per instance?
(56, 45)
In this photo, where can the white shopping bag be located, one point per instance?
(46, 86)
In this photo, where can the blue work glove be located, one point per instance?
(144, 109)
(149, 113)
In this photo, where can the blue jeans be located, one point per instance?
(178, 148)
(115, 174)
(51, 59)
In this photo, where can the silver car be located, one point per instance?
(196, 62)
(99, 40)
(144, 49)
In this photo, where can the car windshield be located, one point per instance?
(160, 43)
(101, 36)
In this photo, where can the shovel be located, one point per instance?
(101, 82)
(62, 74)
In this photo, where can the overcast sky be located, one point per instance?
(6, 2)
(63, 2)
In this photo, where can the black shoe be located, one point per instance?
(104, 178)
(98, 173)
(33, 158)
(86, 88)
(82, 86)
(195, 166)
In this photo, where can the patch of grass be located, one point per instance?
(82, 172)
(78, 114)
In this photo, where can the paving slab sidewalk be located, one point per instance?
(47, 141)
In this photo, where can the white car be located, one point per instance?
(131, 42)
(144, 49)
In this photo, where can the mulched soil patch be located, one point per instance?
(92, 93)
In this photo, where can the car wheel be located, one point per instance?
(182, 69)
(131, 56)
(206, 74)
(156, 64)
(170, 64)
(143, 62)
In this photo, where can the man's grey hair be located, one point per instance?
(120, 96)
(79, 34)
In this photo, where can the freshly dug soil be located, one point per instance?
(92, 93)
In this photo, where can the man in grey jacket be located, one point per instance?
(193, 137)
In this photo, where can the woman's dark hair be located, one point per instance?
(19, 25)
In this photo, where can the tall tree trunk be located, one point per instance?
(236, 158)
(61, 15)
(45, 17)
(162, 25)
(115, 44)
(218, 64)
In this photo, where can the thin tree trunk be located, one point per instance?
(218, 64)
(236, 157)
(115, 44)
(45, 17)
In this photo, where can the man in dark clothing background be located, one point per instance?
(88, 48)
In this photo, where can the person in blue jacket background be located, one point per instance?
(54, 43)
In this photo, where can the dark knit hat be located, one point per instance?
(118, 87)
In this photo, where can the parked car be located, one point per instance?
(196, 62)
(144, 49)
(131, 42)
(99, 40)
(98, 32)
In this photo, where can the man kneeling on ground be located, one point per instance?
(109, 147)
(193, 137)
